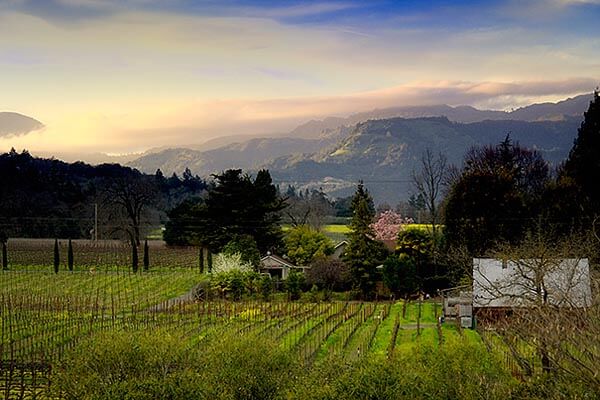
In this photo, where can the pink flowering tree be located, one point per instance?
(388, 224)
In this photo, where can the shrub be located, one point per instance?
(329, 274)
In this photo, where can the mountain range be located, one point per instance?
(381, 147)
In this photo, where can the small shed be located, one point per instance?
(458, 305)
(278, 267)
(340, 249)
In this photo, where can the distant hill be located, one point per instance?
(380, 144)
(12, 123)
(384, 152)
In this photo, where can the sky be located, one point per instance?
(122, 76)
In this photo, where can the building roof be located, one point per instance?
(498, 283)
(277, 260)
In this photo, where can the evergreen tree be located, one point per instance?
(363, 253)
(236, 205)
(496, 197)
(209, 261)
(56, 256)
(70, 256)
(146, 256)
(582, 167)
(134, 256)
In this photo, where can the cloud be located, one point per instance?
(14, 125)
(300, 10)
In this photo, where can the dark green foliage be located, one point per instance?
(179, 229)
(430, 272)
(246, 246)
(51, 198)
(496, 197)
(70, 256)
(236, 205)
(400, 274)
(4, 257)
(363, 253)
(146, 256)
(294, 283)
(134, 257)
(266, 287)
(582, 167)
(56, 256)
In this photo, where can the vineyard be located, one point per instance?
(46, 315)
(103, 254)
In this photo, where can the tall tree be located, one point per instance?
(428, 184)
(236, 205)
(582, 167)
(128, 197)
(496, 197)
(70, 255)
(146, 255)
(363, 253)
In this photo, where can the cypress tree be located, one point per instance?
(134, 257)
(201, 259)
(146, 256)
(56, 256)
(209, 261)
(70, 256)
(4, 257)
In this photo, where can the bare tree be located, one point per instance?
(547, 286)
(428, 183)
(128, 199)
(310, 208)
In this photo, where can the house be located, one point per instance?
(340, 249)
(278, 267)
(501, 286)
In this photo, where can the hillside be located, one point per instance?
(384, 153)
(381, 147)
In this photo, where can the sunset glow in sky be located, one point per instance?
(126, 75)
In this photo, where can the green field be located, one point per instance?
(55, 321)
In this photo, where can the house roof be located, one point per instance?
(277, 260)
(498, 283)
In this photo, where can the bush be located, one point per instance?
(293, 284)
(157, 365)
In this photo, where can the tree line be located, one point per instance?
(51, 198)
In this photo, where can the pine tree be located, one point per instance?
(209, 261)
(363, 253)
(56, 256)
(70, 256)
(583, 164)
(146, 256)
